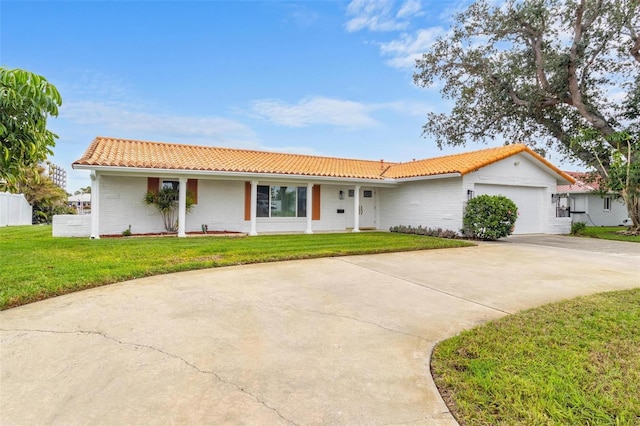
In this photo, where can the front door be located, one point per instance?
(367, 208)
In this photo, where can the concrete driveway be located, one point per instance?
(327, 341)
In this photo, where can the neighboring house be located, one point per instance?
(584, 202)
(262, 192)
(80, 202)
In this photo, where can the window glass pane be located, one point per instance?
(262, 207)
(367, 194)
(283, 201)
(171, 185)
(302, 201)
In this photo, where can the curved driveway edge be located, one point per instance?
(325, 341)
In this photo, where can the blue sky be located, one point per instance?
(312, 77)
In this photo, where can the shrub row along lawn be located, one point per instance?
(609, 233)
(576, 362)
(36, 266)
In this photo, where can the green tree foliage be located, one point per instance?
(85, 190)
(534, 70)
(541, 72)
(166, 201)
(46, 198)
(489, 217)
(26, 101)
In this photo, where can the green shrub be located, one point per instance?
(489, 217)
(577, 228)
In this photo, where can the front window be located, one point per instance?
(607, 204)
(281, 201)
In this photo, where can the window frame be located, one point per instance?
(265, 201)
(606, 204)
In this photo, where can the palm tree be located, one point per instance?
(166, 201)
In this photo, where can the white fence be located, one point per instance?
(14, 210)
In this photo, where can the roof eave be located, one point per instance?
(121, 170)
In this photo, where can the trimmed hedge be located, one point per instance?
(489, 217)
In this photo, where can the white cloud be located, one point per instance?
(405, 50)
(119, 119)
(381, 15)
(410, 9)
(314, 111)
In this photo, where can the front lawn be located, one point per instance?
(609, 233)
(575, 362)
(36, 266)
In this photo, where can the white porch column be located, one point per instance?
(309, 208)
(182, 206)
(95, 205)
(254, 207)
(356, 209)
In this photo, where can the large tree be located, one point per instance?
(542, 72)
(26, 101)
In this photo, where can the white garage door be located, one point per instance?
(529, 201)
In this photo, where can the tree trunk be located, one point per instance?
(632, 202)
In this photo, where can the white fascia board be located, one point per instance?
(207, 174)
(430, 177)
(560, 180)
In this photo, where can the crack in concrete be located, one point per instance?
(475, 302)
(170, 355)
(293, 308)
(366, 322)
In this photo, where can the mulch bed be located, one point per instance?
(175, 234)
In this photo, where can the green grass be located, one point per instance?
(572, 363)
(608, 233)
(36, 266)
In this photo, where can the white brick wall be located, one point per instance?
(220, 206)
(435, 203)
(71, 225)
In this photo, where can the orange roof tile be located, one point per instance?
(464, 163)
(156, 155)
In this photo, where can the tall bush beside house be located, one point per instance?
(489, 217)
(166, 201)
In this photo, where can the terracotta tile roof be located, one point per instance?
(584, 183)
(464, 163)
(156, 155)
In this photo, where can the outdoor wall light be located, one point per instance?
(341, 195)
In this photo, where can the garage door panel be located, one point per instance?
(529, 201)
